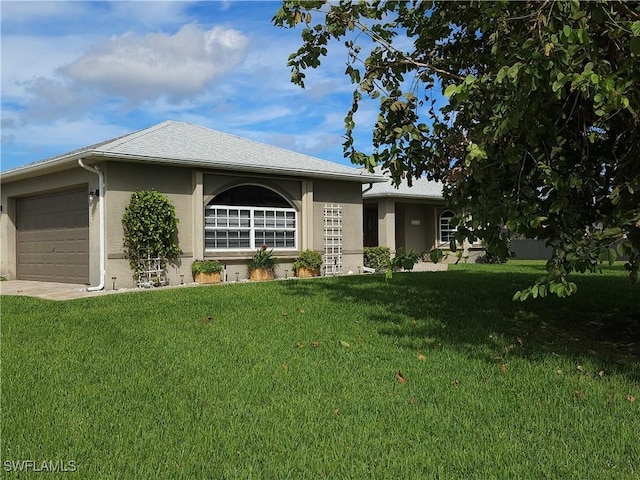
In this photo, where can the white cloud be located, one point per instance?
(55, 99)
(35, 141)
(70, 133)
(140, 68)
(25, 58)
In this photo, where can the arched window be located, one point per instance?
(248, 216)
(447, 231)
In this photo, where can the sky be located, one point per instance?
(76, 73)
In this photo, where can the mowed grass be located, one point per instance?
(429, 375)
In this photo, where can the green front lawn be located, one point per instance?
(430, 375)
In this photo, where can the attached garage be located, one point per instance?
(52, 233)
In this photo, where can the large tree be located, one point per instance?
(540, 136)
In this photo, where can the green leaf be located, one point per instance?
(513, 70)
(542, 290)
(501, 74)
(534, 291)
(597, 15)
(450, 90)
(613, 232)
(345, 344)
(624, 248)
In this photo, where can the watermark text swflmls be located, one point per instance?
(39, 466)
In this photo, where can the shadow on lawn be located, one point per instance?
(463, 308)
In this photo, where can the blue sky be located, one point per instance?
(76, 73)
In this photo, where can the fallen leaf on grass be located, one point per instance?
(456, 382)
(345, 344)
(284, 314)
(285, 366)
(300, 310)
(422, 358)
(578, 394)
(299, 345)
(314, 344)
(631, 398)
(336, 411)
(400, 378)
(601, 373)
(207, 320)
(503, 368)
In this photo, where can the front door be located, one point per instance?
(370, 227)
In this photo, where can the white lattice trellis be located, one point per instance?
(332, 239)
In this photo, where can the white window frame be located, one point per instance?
(448, 229)
(252, 224)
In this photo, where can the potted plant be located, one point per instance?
(307, 264)
(206, 271)
(262, 266)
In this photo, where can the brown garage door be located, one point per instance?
(53, 237)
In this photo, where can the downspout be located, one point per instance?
(368, 188)
(97, 171)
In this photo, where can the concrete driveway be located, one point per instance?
(48, 290)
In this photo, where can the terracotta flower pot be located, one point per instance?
(307, 272)
(207, 278)
(260, 275)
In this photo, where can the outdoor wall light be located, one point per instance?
(93, 193)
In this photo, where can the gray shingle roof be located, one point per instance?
(421, 188)
(180, 143)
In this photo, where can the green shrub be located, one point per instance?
(308, 259)
(377, 258)
(150, 229)
(206, 266)
(406, 261)
(263, 260)
(436, 255)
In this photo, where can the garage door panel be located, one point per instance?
(53, 237)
